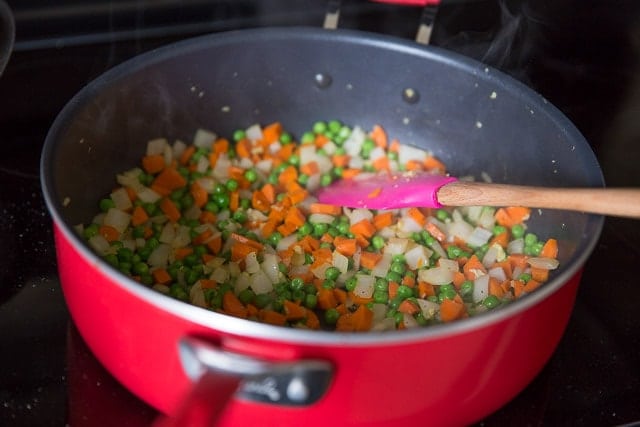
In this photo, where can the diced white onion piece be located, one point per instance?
(381, 269)
(121, 199)
(314, 182)
(202, 165)
(307, 154)
(494, 254)
(408, 225)
(139, 242)
(286, 242)
(99, 244)
(377, 153)
(196, 295)
(182, 237)
(178, 148)
(330, 148)
(487, 219)
(130, 178)
(543, 262)
(417, 257)
(147, 195)
(497, 273)
(193, 212)
(516, 246)
(207, 183)
(168, 155)
(409, 321)
(319, 218)
(429, 308)
(243, 281)
(407, 152)
(260, 283)
(251, 263)
(480, 288)
(168, 233)
(448, 264)
(254, 132)
(473, 213)
(270, 267)
(159, 257)
(396, 245)
(221, 169)
(479, 236)
(437, 248)
(359, 214)
(379, 311)
(386, 324)
(320, 270)
(156, 146)
(204, 138)
(436, 275)
(364, 286)
(353, 143)
(164, 289)
(340, 262)
(219, 275)
(131, 244)
(117, 219)
(264, 166)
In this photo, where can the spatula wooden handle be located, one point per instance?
(606, 201)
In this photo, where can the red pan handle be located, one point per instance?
(220, 375)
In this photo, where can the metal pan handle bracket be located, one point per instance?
(221, 375)
(425, 27)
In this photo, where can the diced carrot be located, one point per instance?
(139, 216)
(153, 163)
(458, 279)
(358, 300)
(310, 168)
(234, 200)
(260, 202)
(517, 260)
(252, 311)
(340, 160)
(363, 227)
(169, 179)
(208, 284)
(271, 133)
(207, 217)
(286, 152)
(437, 234)
(272, 317)
(379, 136)
(409, 281)
(199, 194)
(310, 244)
(297, 196)
(550, 249)
(161, 276)
(202, 237)
(187, 154)
(358, 321)
(326, 299)
(510, 216)
(232, 305)
(518, 287)
(215, 244)
(323, 208)
(147, 232)
(369, 259)
(425, 289)
(394, 147)
(320, 140)
(341, 295)
(473, 268)
(539, 274)
(213, 159)
(286, 229)
(180, 253)
(220, 146)
(109, 233)
(269, 191)
(288, 175)
(417, 216)
(295, 217)
(131, 193)
(293, 310)
(393, 289)
(243, 148)
(170, 209)
(502, 239)
(450, 310)
(434, 165)
(531, 285)
(247, 241)
(345, 246)
(350, 173)
(413, 165)
(382, 220)
(312, 321)
(239, 251)
(494, 288)
(408, 307)
(382, 164)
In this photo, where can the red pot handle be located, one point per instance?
(221, 375)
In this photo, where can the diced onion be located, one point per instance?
(260, 283)
(117, 219)
(481, 288)
(156, 146)
(381, 269)
(364, 286)
(543, 262)
(204, 138)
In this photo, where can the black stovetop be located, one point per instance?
(584, 56)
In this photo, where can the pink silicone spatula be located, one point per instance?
(401, 190)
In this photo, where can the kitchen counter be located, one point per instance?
(49, 378)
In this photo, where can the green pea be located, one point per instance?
(380, 296)
(525, 277)
(530, 239)
(275, 238)
(111, 259)
(231, 185)
(140, 268)
(393, 277)
(377, 242)
(178, 292)
(319, 229)
(326, 179)
(251, 175)
(319, 127)
(286, 138)
(90, 231)
(305, 229)
(498, 229)
(311, 301)
(106, 204)
(517, 231)
(239, 134)
(296, 283)
(331, 316)
(303, 179)
(466, 288)
(246, 296)
(398, 267)
(307, 138)
(404, 292)
(262, 300)
(124, 254)
(491, 301)
(343, 228)
(240, 216)
(222, 200)
(350, 284)
(442, 214)
(332, 273)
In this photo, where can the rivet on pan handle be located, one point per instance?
(220, 375)
(425, 27)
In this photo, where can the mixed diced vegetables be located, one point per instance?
(233, 226)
